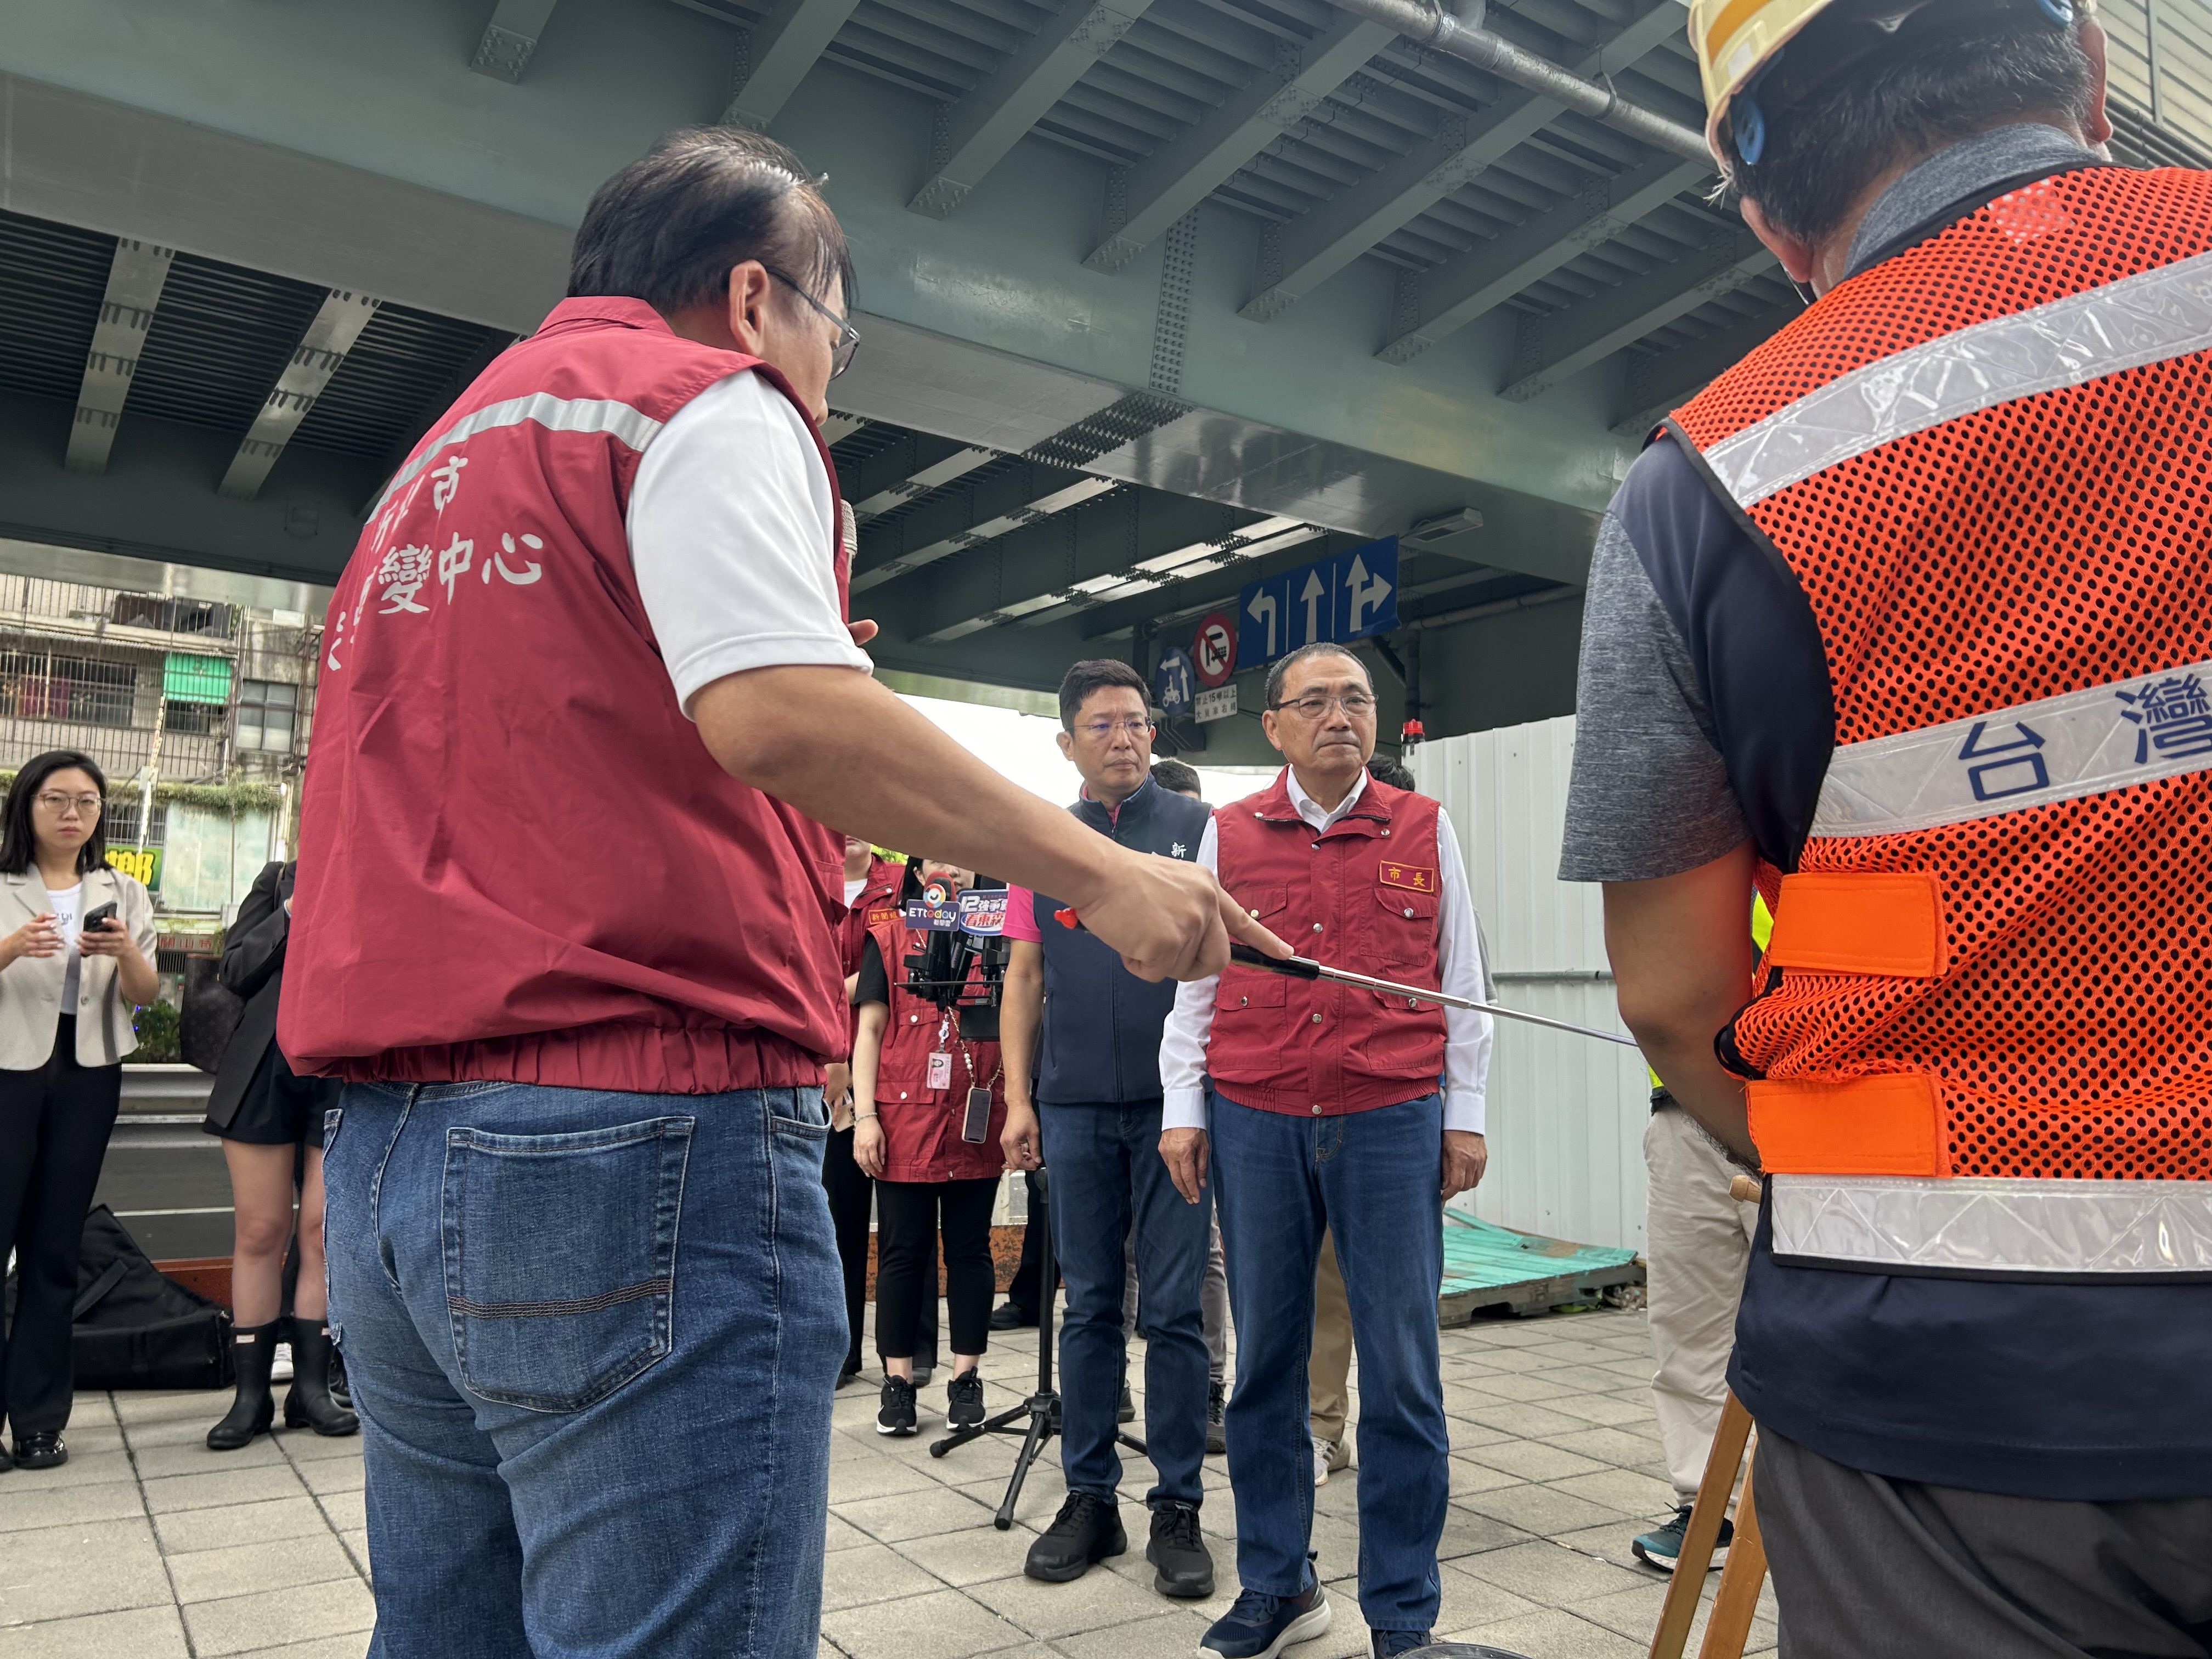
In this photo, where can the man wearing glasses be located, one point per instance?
(1315, 1107)
(583, 1269)
(1093, 1031)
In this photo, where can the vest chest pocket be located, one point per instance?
(1401, 926)
(1248, 987)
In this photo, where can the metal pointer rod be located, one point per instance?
(1307, 968)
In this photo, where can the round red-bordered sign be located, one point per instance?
(1213, 648)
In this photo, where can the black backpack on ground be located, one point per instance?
(135, 1327)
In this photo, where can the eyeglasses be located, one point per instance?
(1357, 704)
(848, 337)
(60, 806)
(1107, 731)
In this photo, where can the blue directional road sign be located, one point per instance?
(1348, 597)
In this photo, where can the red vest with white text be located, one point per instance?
(921, 1125)
(1361, 894)
(518, 861)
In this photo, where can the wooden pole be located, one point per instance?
(1680, 1610)
(1736, 1602)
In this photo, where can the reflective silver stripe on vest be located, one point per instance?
(623, 422)
(1908, 1223)
(2081, 743)
(2139, 319)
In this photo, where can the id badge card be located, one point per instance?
(940, 1071)
(976, 1122)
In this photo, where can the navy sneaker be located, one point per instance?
(1260, 1626)
(1388, 1643)
(1662, 1547)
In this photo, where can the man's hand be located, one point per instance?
(1020, 1139)
(837, 1085)
(1467, 1155)
(862, 631)
(1183, 1151)
(1170, 919)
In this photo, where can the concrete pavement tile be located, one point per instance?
(1469, 1600)
(1609, 1542)
(1635, 1371)
(1529, 1422)
(345, 1511)
(1041, 1496)
(1551, 1634)
(915, 1515)
(1567, 1351)
(272, 1565)
(1469, 1533)
(1098, 1601)
(141, 1633)
(1624, 1448)
(83, 1469)
(942, 1625)
(352, 1646)
(1544, 1573)
(356, 1547)
(975, 1555)
(1507, 1333)
(220, 1487)
(67, 1571)
(181, 1431)
(327, 1476)
(842, 1534)
(133, 1408)
(1634, 1613)
(189, 1531)
(1170, 1636)
(1538, 1509)
(1577, 1380)
(1632, 1494)
(306, 1448)
(90, 1405)
(872, 1572)
(1531, 1385)
(22, 1510)
(1469, 1477)
(855, 1480)
(1612, 1410)
(193, 1457)
(1532, 1459)
(1466, 1435)
(239, 1624)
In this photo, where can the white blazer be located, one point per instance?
(31, 986)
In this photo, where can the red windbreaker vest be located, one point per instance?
(1361, 894)
(1984, 459)
(921, 1125)
(519, 862)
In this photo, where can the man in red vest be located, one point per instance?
(1904, 620)
(1318, 1109)
(567, 929)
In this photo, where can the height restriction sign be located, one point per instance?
(1213, 650)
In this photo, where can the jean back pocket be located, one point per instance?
(560, 1258)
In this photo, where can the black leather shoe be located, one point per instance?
(1085, 1530)
(42, 1449)
(1007, 1316)
(1184, 1565)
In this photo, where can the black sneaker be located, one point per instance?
(964, 1401)
(1127, 1411)
(1260, 1627)
(1388, 1643)
(1216, 1430)
(1185, 1565)
(895, 1415)
(1085, 1530)
(1662, 1547)
(1010, 1315)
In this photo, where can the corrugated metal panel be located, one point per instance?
(1566, 1114)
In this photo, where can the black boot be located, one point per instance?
(341, 1390)
(309, 1406)
(253, 1347)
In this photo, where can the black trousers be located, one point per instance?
(851, 1198)
(910, 1215)
(1022, 1289)
(54, 1125)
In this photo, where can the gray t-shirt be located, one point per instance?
(1650, 794)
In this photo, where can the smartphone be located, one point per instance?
(96, 920)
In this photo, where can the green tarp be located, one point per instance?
(187, 678)
(1486, 1266)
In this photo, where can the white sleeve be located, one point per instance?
(731, 537)
(1466, 1033)
(1183, 1039)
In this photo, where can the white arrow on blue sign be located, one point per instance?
(1351, 596)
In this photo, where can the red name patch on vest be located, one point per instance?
(1408, 876)
(877, 918)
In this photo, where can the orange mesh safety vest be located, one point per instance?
(1987, 463)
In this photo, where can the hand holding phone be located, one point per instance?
(96, 936)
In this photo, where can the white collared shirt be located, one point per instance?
(1459, 962)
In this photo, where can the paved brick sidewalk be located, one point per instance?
(147, 1546)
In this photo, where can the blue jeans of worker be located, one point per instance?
(1372, 1180)
(1106, 1174)
(593, 1339)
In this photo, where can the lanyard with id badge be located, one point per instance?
(961, 965)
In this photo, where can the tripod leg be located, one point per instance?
(1040, 1432)
(977, 1430)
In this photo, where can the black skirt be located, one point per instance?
(280, 1108)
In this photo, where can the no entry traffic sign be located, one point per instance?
(1213, 650)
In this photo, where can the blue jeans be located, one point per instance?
(593, 1338)
(1373, 1179)
(1104, 1163)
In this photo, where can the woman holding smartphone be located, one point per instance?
(919, 1067)
(76, 958)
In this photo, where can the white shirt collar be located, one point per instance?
(1311, 811)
